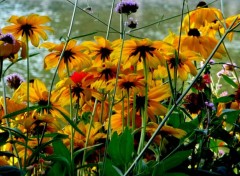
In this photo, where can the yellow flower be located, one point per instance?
(127, 84)
(79, 139)
(99, 50)
(183, 63)
(39, 95)
(73, 57)
(202, 44)
(30, 27)
(135, 51)
(201, 16)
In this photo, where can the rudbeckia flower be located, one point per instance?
(155, 95)
(79, 139)
(183, 62)
(73, 57)
(201, 16)
(80, 87)
(99, 50)
(29, 27)
(202, 44)
(39, 96)
(135, 51)
(127, 84)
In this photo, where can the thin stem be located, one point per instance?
(179, 99)
(110, 19)
(89, 130)
(99, 20)
(64, 48)
(112, 101)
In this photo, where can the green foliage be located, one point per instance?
(171, 162)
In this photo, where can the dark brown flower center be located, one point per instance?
(173, 63)
(107, 74)
(140, 102)
(68, 55)
(142, 50)
(202, 4)
(127, 85)
(27, 29)
(77, 90)
(105, 52)
(194, 32)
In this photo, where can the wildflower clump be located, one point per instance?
(131, 105)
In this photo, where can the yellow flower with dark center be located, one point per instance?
(99, 50)
(135, 51)
(39, 96)
(155, 95)
(204, 45)
(201, 16)
(80, 87)
(73, 57)
(30, 27)
(79, 139)
(103, 72)
(183, 63)
(127, 84)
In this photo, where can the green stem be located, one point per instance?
(64, 48)
(179, 99)
(88, 132)
(110, 19)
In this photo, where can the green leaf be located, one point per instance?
(231, 115)
(224, 99)
(61, 166)
(126, 146)
(76, 153)
(113, 149)
(230, 81)
(175, 174)
(14, 131)
(7, 154)
(4, 137)
(175, 119)
(171, 162)
(15, 113)
(109, 170)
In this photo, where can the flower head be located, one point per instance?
(73, 57)
(132, 23)
(126, 7)
(14, 80)
(28, 27)
(9, 47)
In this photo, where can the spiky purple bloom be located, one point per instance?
(131, 23)
(127, 7)
(14, 80)
(7, 38)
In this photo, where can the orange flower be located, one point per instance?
(29, 27)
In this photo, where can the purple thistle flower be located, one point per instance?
(127, 7)
(14, 80)
(131, 23)
(7, 38)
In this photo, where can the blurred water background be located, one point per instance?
(60, 11)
